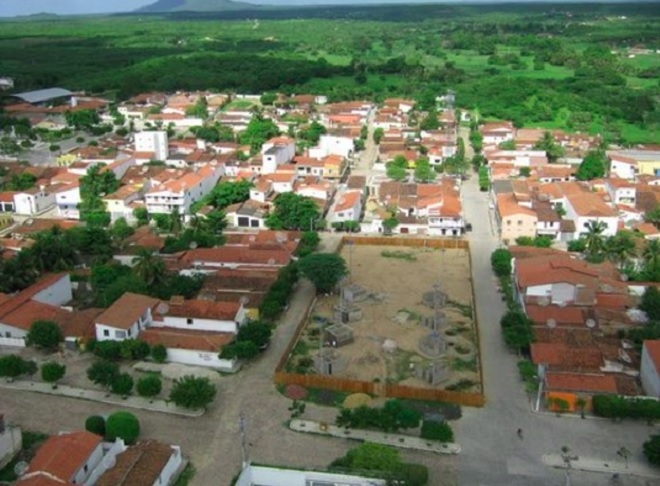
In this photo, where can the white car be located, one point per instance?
(491, 205)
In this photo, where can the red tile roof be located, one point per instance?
(579, 382)
(203, 309)
(237, 255)
(126, 310)
(26, 295)
(186, 339)
(63, 455)
(560, 356)
(562, 316)
(141, 464)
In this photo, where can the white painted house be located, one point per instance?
(126, 318)
(155, 142)
(181, 193)
(275, 152)
(33, 201)
(332, 145)
(622, 166)
(586, 208)
(348, 207)
(67, 199)
(650, 367)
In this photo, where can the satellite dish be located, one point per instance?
(551, 323)
(591, 323)
(561, 304)
(607, 288)
(544, 301)
(192, 245)
(20, 467)
(163, 308)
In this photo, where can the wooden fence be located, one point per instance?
(380, 389)
(413, 242)
(391, 391)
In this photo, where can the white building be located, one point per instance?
(126, 318)
(67, 199)
(183, 192)
(348, 207)
(622, 166)
(586, 208)
(277, 151)
(253, 475)
(333, 145)
(33, 201)
(155, 142)
(650, 368)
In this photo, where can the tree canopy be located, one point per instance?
(293, 212)
(45, 334)
(324, 270)
(593, 166)
(192, 392)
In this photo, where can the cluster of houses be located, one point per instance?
(532, 197)
(82, 457)
(193, 331)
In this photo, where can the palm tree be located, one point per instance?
(651, 253)
(594, 239)
(621, 248)
(176, 225)
(149, 268)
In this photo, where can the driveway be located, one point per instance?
(491, 453)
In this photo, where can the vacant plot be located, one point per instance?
(407, 316)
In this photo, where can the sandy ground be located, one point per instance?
(394, 311)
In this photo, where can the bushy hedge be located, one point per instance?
(616, 407)
(124, 425)
(440, 431)
(126, 349)
(278, 294)
(392, 417)
(500, 261)
(95, 424)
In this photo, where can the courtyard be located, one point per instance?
(404, 317)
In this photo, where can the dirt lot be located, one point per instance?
(395, 320)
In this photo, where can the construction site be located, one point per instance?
(401, 316)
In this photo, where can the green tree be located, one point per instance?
(396, 172)
(268, 98)
(258, 132)
(121, 230)
(45, 334)
(103, 373)
(255, 331)
(149, 386)
(149, 267)
(199, 109)
(430, 121)
(82, 119)
(239, 350)
(653, 216)
(378, 135)
(122, 384)
(293, 212)
(227, 193)
(123, 425)
(141, 215)
(424, 172)
(13, 366)
(434, 430)
(517, 330)
(192, 392)
(95, 424)
(594, 240)
(159, 353)
(324, 270)
(593, 166)
(621, 248)
(374, 457)
(500, 261)
(51, 372)
(312, 133)
(552, 149)
(389, 224)
(652, 449)
(651, 302)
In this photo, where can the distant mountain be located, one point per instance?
(196, 6)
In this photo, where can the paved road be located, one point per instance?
(492, 454)
(368, 156)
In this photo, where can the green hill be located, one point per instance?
(196, 6)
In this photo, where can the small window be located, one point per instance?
(189, 321)
(520, 222)
(85, 468)
(508, 222)
(106, 332)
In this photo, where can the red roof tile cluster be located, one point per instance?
(580, 382)
(186, 339)
(126, 310)
(141, 464)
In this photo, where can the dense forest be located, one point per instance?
(565, 66)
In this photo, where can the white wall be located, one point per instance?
(115, 334)
(152, 142)
(92, 461)
(170, 468)
(271, 476)
(332, 145)
(109, 451)
(67, 203)
(58, 293)
(200, 358)
(33, 203)
(216, 325)
(622, 169)
(11, 442)
(649, 375)
(13, 342)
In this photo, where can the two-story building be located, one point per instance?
(181, 193)
(277, 151)
(347, 207)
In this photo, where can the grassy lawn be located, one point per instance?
(240, 105)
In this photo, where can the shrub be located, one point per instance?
(149, 386)
(413, 474)
(95, 424)
(12, 366)
(122, 384)
(500, 260)
(159, 353)
(124, 425)
(240, 350)
(110, 350)
(392, 417)
(103, 373)
(440, 431)
(652, 449)
(51, 372)
(192, 392)
(134, 349)
(45, 334)
(616, 407)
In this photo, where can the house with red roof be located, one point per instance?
(183, 191)
(650, 367)
(347, 207)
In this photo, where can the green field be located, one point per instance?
(526, 63)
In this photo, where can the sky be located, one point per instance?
(10, 8)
